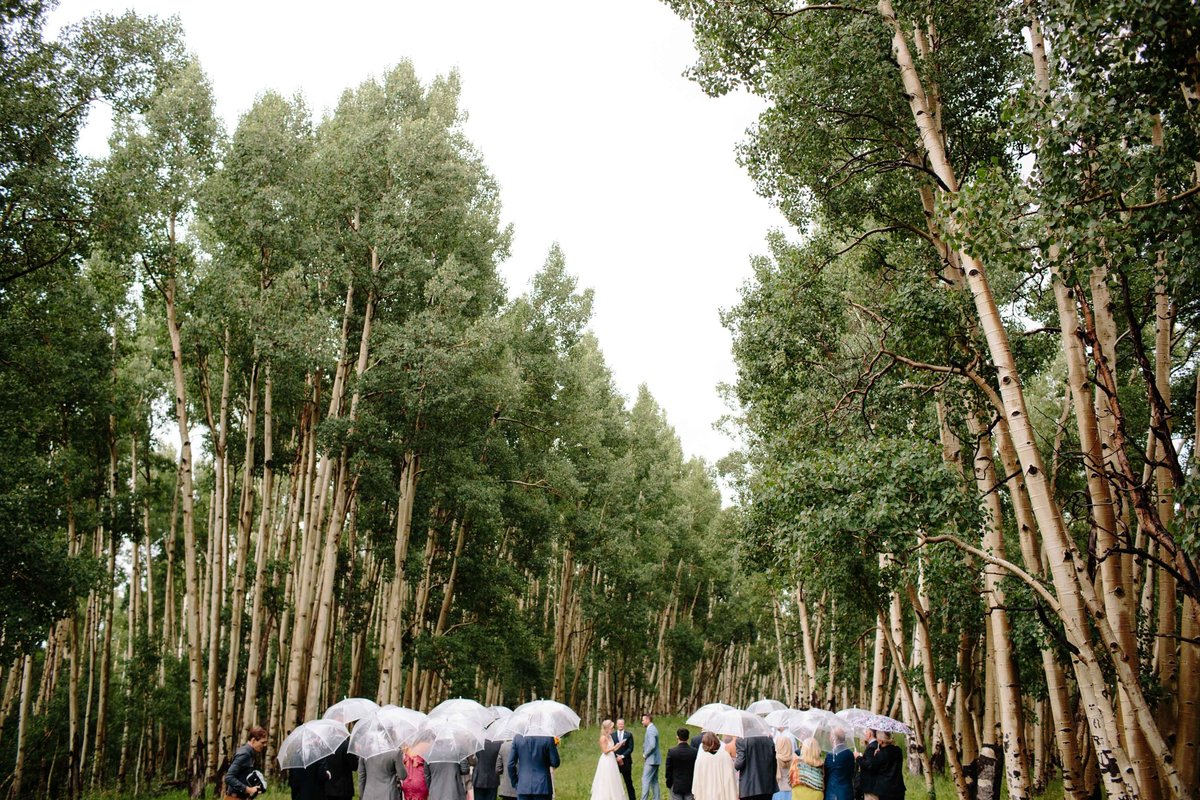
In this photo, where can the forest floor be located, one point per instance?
(573, 779)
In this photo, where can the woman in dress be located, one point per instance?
(808, 772)
(713, 778)
(607, 785)
(839, 767)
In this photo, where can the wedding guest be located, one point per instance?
(839, 768)
(808, 772)
(713, 778)
(885, 765)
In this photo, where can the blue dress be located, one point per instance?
(839, 775)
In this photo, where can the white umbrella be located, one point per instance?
(464, 707)
(350, 710)
(806, 723)
(831, 734)
(765, 706)
(736, 722)
(705, 712)
(783, 718)
(500, 715)
(384, 731)
(311, 742)
(448, 737)
(542, 718)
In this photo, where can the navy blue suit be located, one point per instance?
(529, 763)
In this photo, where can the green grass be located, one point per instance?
(578, 752)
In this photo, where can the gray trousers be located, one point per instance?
(688, 796)
(650, 782)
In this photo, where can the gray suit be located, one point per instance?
(379, 777)
(650, 752)
(447, 780)
(506, 787)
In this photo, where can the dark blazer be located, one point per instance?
(239, 769)
(306, 783)
(839, 775)
(755, 763)
(529, 764)
(486, 775)
(866, 779)
(339, 772)
(681, 764)
(884, 768)
(624, 749)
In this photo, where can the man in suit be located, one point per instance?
(755, 763)
(696, 740)
(681, 764)
(486, 779)
(624, 753)
(529, 763)
(506, 788)
(653, 758)
(339, 773)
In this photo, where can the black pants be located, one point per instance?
(627, 775)
(485, 794)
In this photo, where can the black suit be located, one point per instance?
(486, 779)
(339, 770)
(697, 740)
(681, 765)
(625, 752)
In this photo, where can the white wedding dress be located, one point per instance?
(607, 785)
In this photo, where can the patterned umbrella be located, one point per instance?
(765, 707)
(311, 742)
(705, 712)
(878, 722)
(350, 710)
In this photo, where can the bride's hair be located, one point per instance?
(606, 726)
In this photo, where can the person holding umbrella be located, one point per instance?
(839, 767)
(713, 778)
(755, 763)
(529, 765)
(882, 770)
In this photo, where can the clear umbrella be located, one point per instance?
(852, 718)
(542, 718)
(462, 706)
(311, 742)
(494, 730)
(350, 710)
(736, 722)
(833, 734)
(448, 737)
(384, 731)
(705, 712)
(765, 706)
(805, 724)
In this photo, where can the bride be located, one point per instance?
(607, 785)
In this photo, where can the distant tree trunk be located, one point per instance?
(261, 551)
(22, 722)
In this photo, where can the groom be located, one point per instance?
(624, 753)
(653, 758)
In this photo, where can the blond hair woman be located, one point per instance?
(808, 772)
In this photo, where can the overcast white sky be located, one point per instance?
(598, 142)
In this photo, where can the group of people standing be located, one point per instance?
(703, 767)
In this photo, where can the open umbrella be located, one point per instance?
(384, 731)
(834, 734)
(542, 718)
(311, 742)
(448, 737)
(878, 722)
(736, 722)
(350, 710)
(805, 724)
(465, 707)
(494, 729)
(765, 707)
(702, 714)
